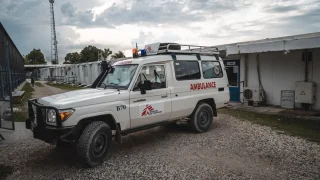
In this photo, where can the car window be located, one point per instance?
(187, 70)
(119, 76)
(155, 74)
(211, 69)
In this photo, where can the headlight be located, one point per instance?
(65, 114)
(51, 116)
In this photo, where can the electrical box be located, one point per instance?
(305, 92)
(287, 99)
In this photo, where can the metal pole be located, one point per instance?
(10, 83)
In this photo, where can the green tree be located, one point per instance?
(35, 57)
(118, 55)
(67, 58)
(72, 58)
(106, 53)
(89, 54)
(25, 59)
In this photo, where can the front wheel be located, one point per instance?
(201, 119)
(94, 143)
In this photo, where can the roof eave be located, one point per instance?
(272, 46)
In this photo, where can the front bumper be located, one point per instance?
(41, 130)
(49, 134)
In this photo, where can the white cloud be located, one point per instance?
(119, 24)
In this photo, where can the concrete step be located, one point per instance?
(17, 96)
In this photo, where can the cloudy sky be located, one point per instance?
(117, 24)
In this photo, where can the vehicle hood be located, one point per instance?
(78, 98)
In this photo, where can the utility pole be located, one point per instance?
(54, 42)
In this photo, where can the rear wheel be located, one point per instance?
(201, 119)
(94, 143)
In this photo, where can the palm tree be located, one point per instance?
(118, 55)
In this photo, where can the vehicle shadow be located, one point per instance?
(149, 137)
(54, 158)
(57, 158)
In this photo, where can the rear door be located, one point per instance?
(197, 80)
(155, 105)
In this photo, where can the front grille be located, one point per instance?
(37, 113)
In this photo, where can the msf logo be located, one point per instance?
(147, 110)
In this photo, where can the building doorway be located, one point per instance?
(233, 72)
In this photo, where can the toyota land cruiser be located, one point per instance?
(163, 83)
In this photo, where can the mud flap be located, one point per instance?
(118, 137)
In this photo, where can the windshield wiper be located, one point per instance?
(116, 86)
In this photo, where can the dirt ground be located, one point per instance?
(232, 149)
(46, 90)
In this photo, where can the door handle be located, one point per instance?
(165, 96)
(220, 89)
(139, 100)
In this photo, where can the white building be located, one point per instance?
(84, 73)
(281, 61)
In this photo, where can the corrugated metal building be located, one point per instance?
(84, 73)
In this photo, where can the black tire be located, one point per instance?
(94, 143)
(202, 117)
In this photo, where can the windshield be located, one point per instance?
(119, 76)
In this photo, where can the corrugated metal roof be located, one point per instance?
(287, 43)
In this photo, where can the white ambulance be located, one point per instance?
(164, 83)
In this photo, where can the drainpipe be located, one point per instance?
(246, 56)
(306, 72)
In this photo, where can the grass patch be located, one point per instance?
(305, 128)
(20, 116)
(38, 84)
(28, 90)
(64, 86)
(5, 171)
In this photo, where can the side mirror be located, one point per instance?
(145, 86)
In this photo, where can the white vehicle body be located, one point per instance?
(179, 102)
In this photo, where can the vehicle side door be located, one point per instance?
(155, 105)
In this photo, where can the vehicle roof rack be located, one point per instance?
(169, 48)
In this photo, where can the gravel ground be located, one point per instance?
(233, 149)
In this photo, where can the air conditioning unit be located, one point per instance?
(252, 94)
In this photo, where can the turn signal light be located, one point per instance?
(64, 115)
